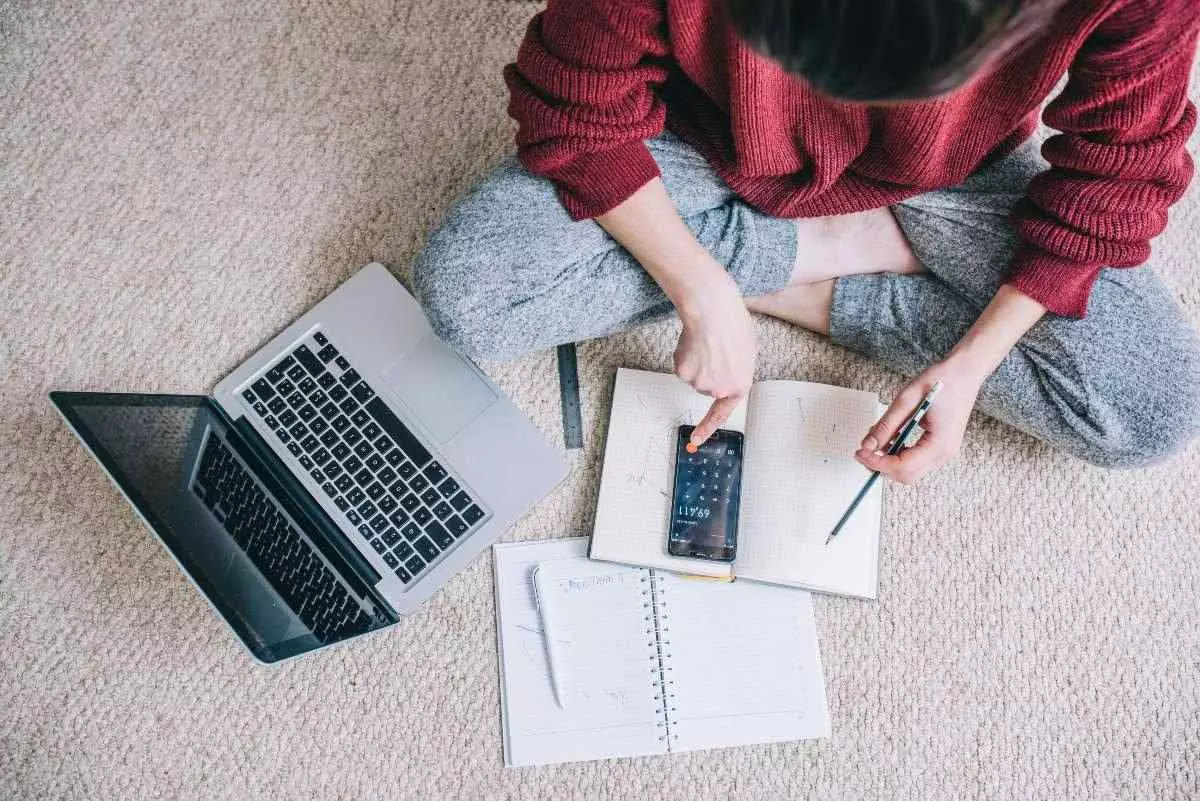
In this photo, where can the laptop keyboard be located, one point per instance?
(281, 554)
(375, 470)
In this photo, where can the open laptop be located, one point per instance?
(335, 480)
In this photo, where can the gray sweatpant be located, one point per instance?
(509, 272)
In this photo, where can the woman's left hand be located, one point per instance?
(944, 423)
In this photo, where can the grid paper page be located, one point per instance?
(744, 662)
(800, 445)
(607, 715)
(633, 510)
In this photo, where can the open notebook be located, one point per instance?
(798, 477)
(738, 662)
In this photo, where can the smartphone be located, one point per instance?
(707, 497)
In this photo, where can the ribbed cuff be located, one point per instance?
(1061, 285)
(594, 183)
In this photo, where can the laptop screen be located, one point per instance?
(182, 468)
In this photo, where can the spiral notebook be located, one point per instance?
(655, 663)
(798, 476)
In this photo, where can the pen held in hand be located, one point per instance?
(899, 442)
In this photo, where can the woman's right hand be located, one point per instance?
(718, 348)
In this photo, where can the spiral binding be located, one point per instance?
(658, 640)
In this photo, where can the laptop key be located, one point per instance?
(310, 362)
(345, 482)
(318, 399)
(364, 477)
(296, 399)
(341, 503)
(391, 560)
(341, 450)
(317, 475)
(350, 377)
(362, 392)
(340, 423)
(387, 475)
(306, 463)
(399, 518)
(330, 438)
(411, 531)
(321, 338)
(360, 418)
(341, 362)
(415, 564)
(276, 405)
(288, 418)
(321, 456)
(403, 550)
(275, 374)
(435, 472)
(407, 469)
(307, 385)
(294, 448)
(248, 395)
(271, 421)
(348, 405)
(367, 510)
(430, 496)
(403, 574)
(426, 548)
(418, 482)
(399, 432)
(378, 545)
(439, 535)
(298, 431)
(306, 412)
(330, 411)
(410, 502)
(296, 373)
(457, 526)
(391, 537)
(370, 431)
(363, 448)
(355, 496)
(352, 464)
(375, 491)
(327, 354)
(310, 443)
(353, 517)
(285, 387)
(473, 514)
(330, 490)
(263, 389)
(460, 501)
(422, 516)
(384, 444)
(317, 425)
(448, 488)
(442, 510)
(375, 461)
(394, 457)
(326, 380)
(379, 523)
(337, 393)
(351, 435)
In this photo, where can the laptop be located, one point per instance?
(335, 480)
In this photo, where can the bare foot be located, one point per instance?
(829, 248)
(805, 305)
(851, 244)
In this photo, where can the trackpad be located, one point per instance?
(439, 387)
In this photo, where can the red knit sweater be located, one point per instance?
(595, 78)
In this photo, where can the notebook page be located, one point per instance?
(745, 664)
(609, 714)
(633, 510)
(800, 445)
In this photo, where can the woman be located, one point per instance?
(864, 169)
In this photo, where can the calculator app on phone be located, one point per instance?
(707, 496)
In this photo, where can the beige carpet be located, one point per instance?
(178, 181)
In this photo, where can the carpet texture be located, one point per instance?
(180, 180)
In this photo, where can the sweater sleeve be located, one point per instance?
(583, 94)
(1120, 160)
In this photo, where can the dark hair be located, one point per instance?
(886, 50)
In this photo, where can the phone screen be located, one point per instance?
(707, 497)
